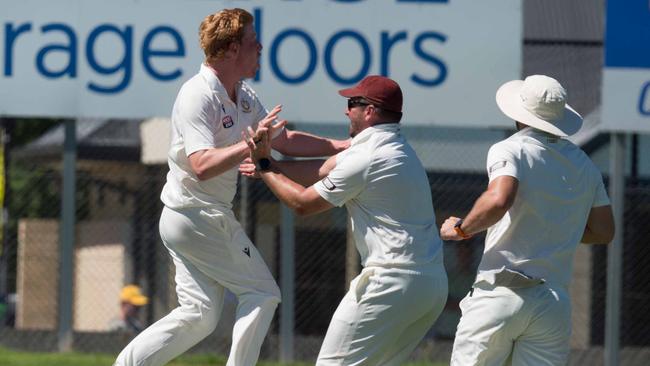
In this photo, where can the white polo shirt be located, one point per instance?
(385, 189)
(204, 117)
(558, 186)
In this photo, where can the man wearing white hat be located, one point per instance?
(544, 197)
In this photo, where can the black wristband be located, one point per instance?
(263, 164)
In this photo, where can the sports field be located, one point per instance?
(12, 358)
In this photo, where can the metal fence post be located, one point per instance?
(4, 184)
(66, 237)
(287, 259)
(615, 250)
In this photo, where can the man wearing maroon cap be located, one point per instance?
(403, 285)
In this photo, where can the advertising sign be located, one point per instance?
(626, 77)
(128, 58)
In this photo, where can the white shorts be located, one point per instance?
(524, 327)
(384, 316)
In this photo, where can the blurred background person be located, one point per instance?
(131, 300)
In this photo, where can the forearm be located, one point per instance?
(600, 226)
(302, 144)
(486, 212)
(215, 161)
(590, 237)
(304, 172)
(286, 190)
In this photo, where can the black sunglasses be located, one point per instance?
(357, 102)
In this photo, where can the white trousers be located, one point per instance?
(211, 252)
(522, 327)
(384, 316)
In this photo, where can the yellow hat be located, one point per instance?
(133, 295)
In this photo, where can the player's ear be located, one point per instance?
(369, 110)
(233, 49)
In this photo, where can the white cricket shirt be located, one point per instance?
(385, 189)
(204, 117)
(558, 186)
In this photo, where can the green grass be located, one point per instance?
(15, 358)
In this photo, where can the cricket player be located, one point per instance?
(544, 197)
(403, 286)
(208, 246)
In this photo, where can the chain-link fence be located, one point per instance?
(117, 243)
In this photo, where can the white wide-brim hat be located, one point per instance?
(540, 102)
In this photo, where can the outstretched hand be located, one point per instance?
(268, 122)
(259, 143)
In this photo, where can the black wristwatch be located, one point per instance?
(263, 164)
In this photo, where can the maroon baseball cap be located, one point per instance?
(381, 91)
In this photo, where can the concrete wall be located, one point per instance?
(101, 267)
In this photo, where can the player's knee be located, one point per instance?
(271, 302)
(266, 302)
(207, 322)
(201, 318)
(270, 297)
(275, 294)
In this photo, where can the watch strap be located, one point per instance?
(263, 164)
(460, 231)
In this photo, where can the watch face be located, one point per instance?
(264, 163)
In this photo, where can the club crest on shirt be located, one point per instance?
(227, 122)
(328, 183)
(245, 106)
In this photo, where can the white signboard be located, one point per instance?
(626, 77)
(128, 58)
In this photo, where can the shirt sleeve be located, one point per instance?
(502, 160)
(601, 198)
(198, 123)
(346, 180)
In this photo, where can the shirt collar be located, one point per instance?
(365, 134)
(538, 135)
(213, 81)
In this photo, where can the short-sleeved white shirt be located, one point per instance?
(382, 183)
(205, 117)
(558, 186)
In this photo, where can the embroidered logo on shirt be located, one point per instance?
(223, 108)
(328, 183)
(245, 106)
(496, 166)
(247, 251)
(227, 122)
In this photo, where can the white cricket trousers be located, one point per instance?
(522, 327)
(384, 316)
(211, 252)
